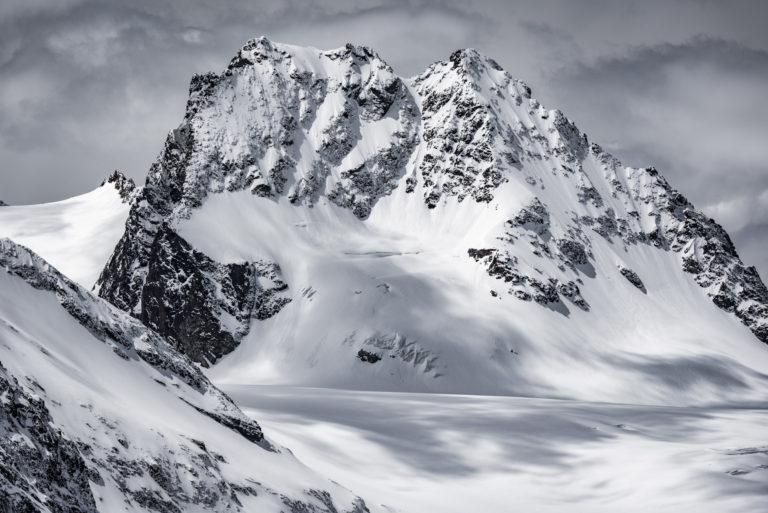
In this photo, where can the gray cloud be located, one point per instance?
(88, 86)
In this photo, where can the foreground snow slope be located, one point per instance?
(76, 235)
(317, 219)
(99, 413)
(453, 453)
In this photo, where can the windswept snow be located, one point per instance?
(454, 453)
(76, 235)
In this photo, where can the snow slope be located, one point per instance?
(455, 453)
(413, 297)
(346, 227)
(90, 394)
(76, 235)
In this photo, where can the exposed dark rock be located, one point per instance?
(572, 292)
(320, 502)
(524, 287)
(40, 469)
(534, 217)
(249, 429)
(397, 346)
(459, 158)
(590, 194)
(632, 278)
(573, 251)
(572, 144)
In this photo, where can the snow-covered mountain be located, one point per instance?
(99, 413)
(76, 235)
(317, 219)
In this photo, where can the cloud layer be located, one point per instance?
(89, 86)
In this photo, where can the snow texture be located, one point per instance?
(76, 235)
(317, 220)
(457, 453)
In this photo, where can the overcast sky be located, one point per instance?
(91, 86)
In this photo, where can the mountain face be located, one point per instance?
(99, 413)
(317, 219)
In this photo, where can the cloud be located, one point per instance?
(742, 211)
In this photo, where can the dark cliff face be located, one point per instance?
(201, 306)
(187, 296)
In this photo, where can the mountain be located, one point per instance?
(99, 413)
(76, 235)
(317, 219)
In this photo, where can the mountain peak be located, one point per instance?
(253, 51)
(471, 58)
(478, 71)
(342, 157)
